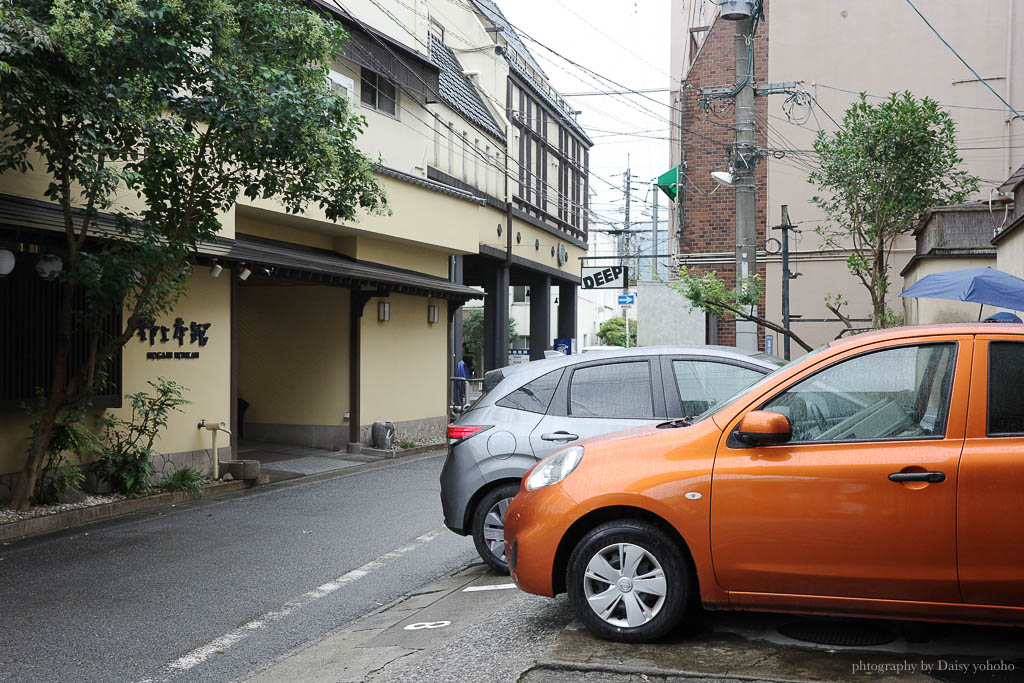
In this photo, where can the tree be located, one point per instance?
(710, 294)
(613, 332)
(473, 333)
(887, 164)
(186, 106)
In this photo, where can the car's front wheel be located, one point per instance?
(628, 582)
(489, 525)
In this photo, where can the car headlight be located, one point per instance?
(554, 468)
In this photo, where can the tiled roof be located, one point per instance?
(490, 10)
(1013, 181)
(458, 92)
(493, 13)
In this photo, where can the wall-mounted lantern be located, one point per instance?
(244, 273)
(6, 262)
(433, 314)
(383, 311)
(215, 269)
(49, 266)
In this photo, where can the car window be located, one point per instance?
(900, 393)
(1005, 379)
(701, 383)
(612, 390)
(534, 396)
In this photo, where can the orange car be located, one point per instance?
(881, 475)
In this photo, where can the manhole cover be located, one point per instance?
(840, 633)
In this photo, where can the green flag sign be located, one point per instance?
(669, 182)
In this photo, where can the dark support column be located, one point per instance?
(235, 431)
(567, 312)
(540, 316)
(455, 319)
(496, 318)
(356, 305)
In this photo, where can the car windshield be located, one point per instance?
(764, 380)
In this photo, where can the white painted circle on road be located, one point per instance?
(427, 624)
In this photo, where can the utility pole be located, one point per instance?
(745, 158)
(654, 232)
(785, 227)
(628, 180)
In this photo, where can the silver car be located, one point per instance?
(528, 411)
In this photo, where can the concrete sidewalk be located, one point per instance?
(468, 627)
(286, 459)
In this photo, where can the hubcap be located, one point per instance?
(624, 585)
(494, 528)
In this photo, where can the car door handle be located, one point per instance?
(559, 436)
(930, 477)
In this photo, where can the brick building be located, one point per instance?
(705, 236)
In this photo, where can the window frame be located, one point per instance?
(364, 74)
(551, 399)
(674, 400)
(761, 405)
(988, 391)
(561, 401)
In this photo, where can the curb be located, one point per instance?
(72, 518)
(612, 669)
(402, 452)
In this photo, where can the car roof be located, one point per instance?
(916, 331)
(518, 375)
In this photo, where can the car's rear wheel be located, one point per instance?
(489, 525)
(628, 582)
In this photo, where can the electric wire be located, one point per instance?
(963, 61)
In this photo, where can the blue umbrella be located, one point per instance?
(978, 285)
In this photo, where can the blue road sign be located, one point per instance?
(627, 299)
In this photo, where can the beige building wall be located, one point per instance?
(293, 354)
(403, 375)
(1010, 254)
(206, 380)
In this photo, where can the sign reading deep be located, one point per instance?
(161, 333)
(612, 277)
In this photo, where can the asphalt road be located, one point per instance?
(217, 589)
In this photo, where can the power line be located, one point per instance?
(963, 61)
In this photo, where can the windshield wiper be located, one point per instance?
(673, 424)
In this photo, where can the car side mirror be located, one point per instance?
(764, 428)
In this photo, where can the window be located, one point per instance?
(519, 294)
(378, 93)
(612, 390)
(1005, 379)
(900, 393)
(701, 384)
(534, 396)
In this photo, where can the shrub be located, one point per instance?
(69, 435)
(128, 444)
(186, 479)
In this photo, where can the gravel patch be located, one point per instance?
(7, 515)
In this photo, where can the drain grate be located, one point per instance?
(839, 633)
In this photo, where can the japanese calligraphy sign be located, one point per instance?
(197, 335)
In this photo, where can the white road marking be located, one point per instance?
(427, 624)
(490, 587)
(219, 645)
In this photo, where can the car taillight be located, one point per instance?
(459, 432)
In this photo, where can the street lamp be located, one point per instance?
(726, 178)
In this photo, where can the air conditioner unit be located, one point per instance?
(339, 81)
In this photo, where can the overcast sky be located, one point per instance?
(628, 42)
